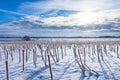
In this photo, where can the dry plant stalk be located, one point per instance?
(23, 63)
(49, 61)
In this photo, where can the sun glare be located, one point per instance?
(85, 18)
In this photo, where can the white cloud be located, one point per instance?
(75, 5)
(32, 18)
(89, 11)
(78, 19)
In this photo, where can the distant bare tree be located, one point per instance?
(26, 38)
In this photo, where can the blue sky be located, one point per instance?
(96, 17)
(8, 7)
(10, 10)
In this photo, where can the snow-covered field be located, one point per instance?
(70, 59)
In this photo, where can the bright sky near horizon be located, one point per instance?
(64, 13)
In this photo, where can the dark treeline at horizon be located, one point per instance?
(67, 37)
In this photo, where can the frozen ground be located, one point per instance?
(66, 69)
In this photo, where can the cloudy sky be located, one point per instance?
(60, 17)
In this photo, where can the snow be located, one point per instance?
(65, 69)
